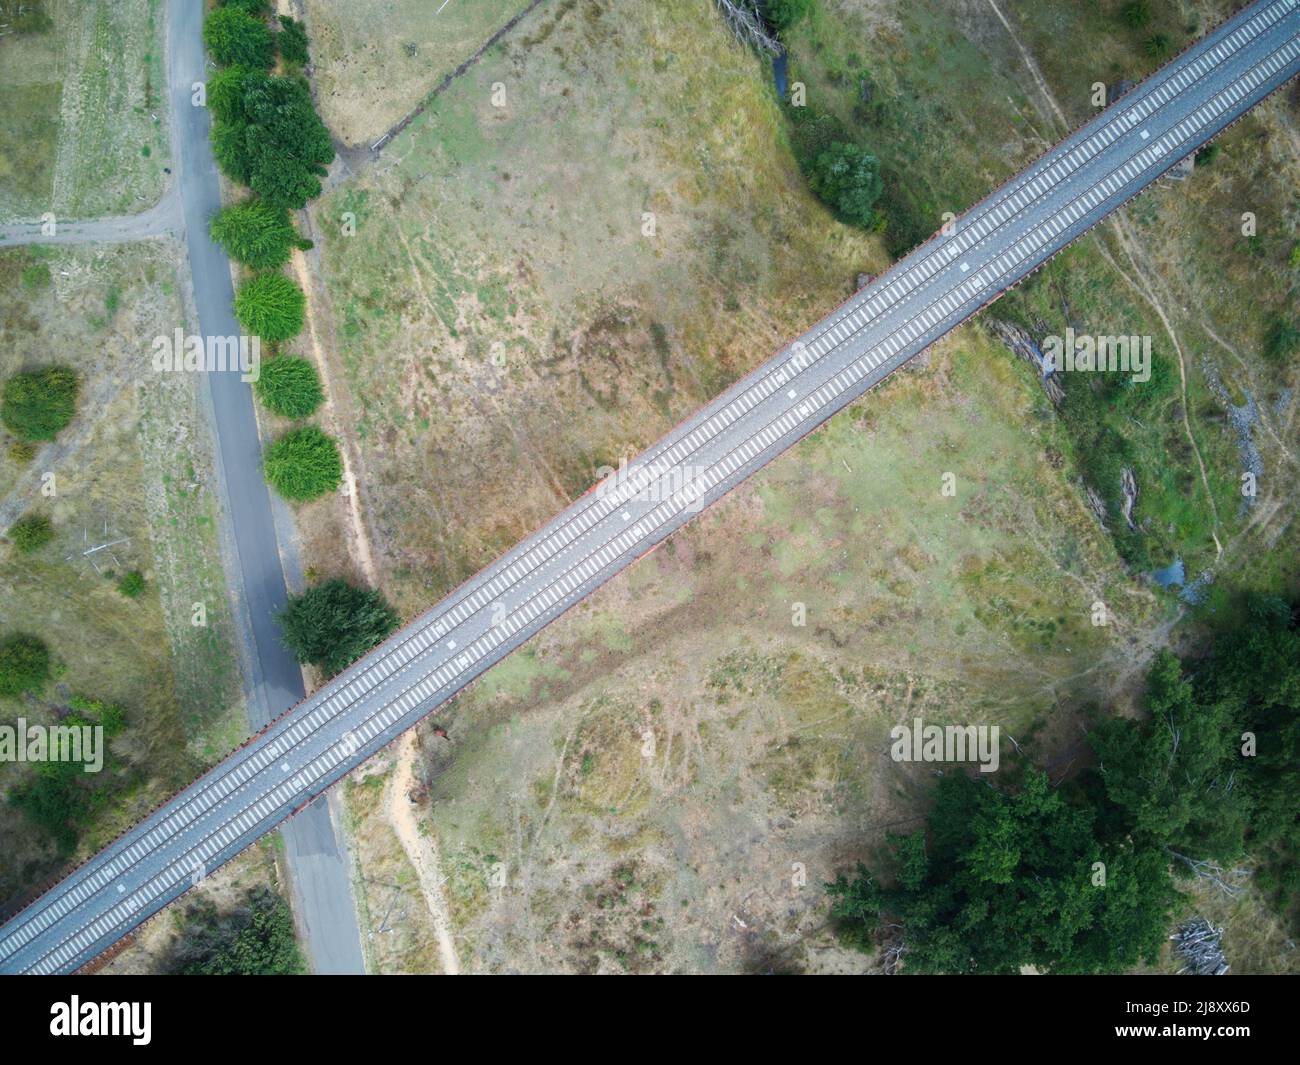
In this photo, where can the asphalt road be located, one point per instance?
(930, 292)
(321, 885)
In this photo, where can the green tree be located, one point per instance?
(1172, 773)
(39, 403)
(230, 149)
(226, 89)
(24, 664)
(270, 306)
(31, 532)
(235, 38)
(1008, 879)
(288, 145)
(847, 179)
(334, 623)
(290, 387)
(269, 137)
(1255, 670)
(256, 234)
(303, 464)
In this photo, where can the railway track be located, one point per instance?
(952, 276)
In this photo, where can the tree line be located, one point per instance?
(1082, 876)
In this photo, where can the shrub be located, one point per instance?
(132, 584)
(1158, 46)
(22, 452)
(256, 938)
(847, 179)
(1282, 341)
(334, 623)
(24, 664)
(1136, 14)
(303, 464)
(36, 276)
(235, 38)
(813, 132)
(290, 387)
(782, 14)
(248, 7)
(1208, 154)
(255, 233)
(61, 798)
(292, 41)
(38, 404)
(31, 532)
(270, 306)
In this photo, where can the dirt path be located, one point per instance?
(1032, 67)
(164, 219)
(360, 547)
(421, 848)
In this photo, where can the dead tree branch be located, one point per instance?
(745, 22)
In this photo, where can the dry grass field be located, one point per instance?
(375, 61)
(663, 779)
(132, 470)
(83, 127)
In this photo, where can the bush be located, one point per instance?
(292, 41)
(1208, 154)
(811, 133)
(782, 14)
(62, 799)
(255, 939)
(334, 623)
(237, 39)
(1282, 341)
(38, 404)
(270, 306)
(132, 584)
(1158, 46)
(255, 234)
(1136, 15)
(36, 276)
(22, 452)
(248, 7)
(290, 387)
(24, 664)
(303, 464)
(31, 532)
(847, 179)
